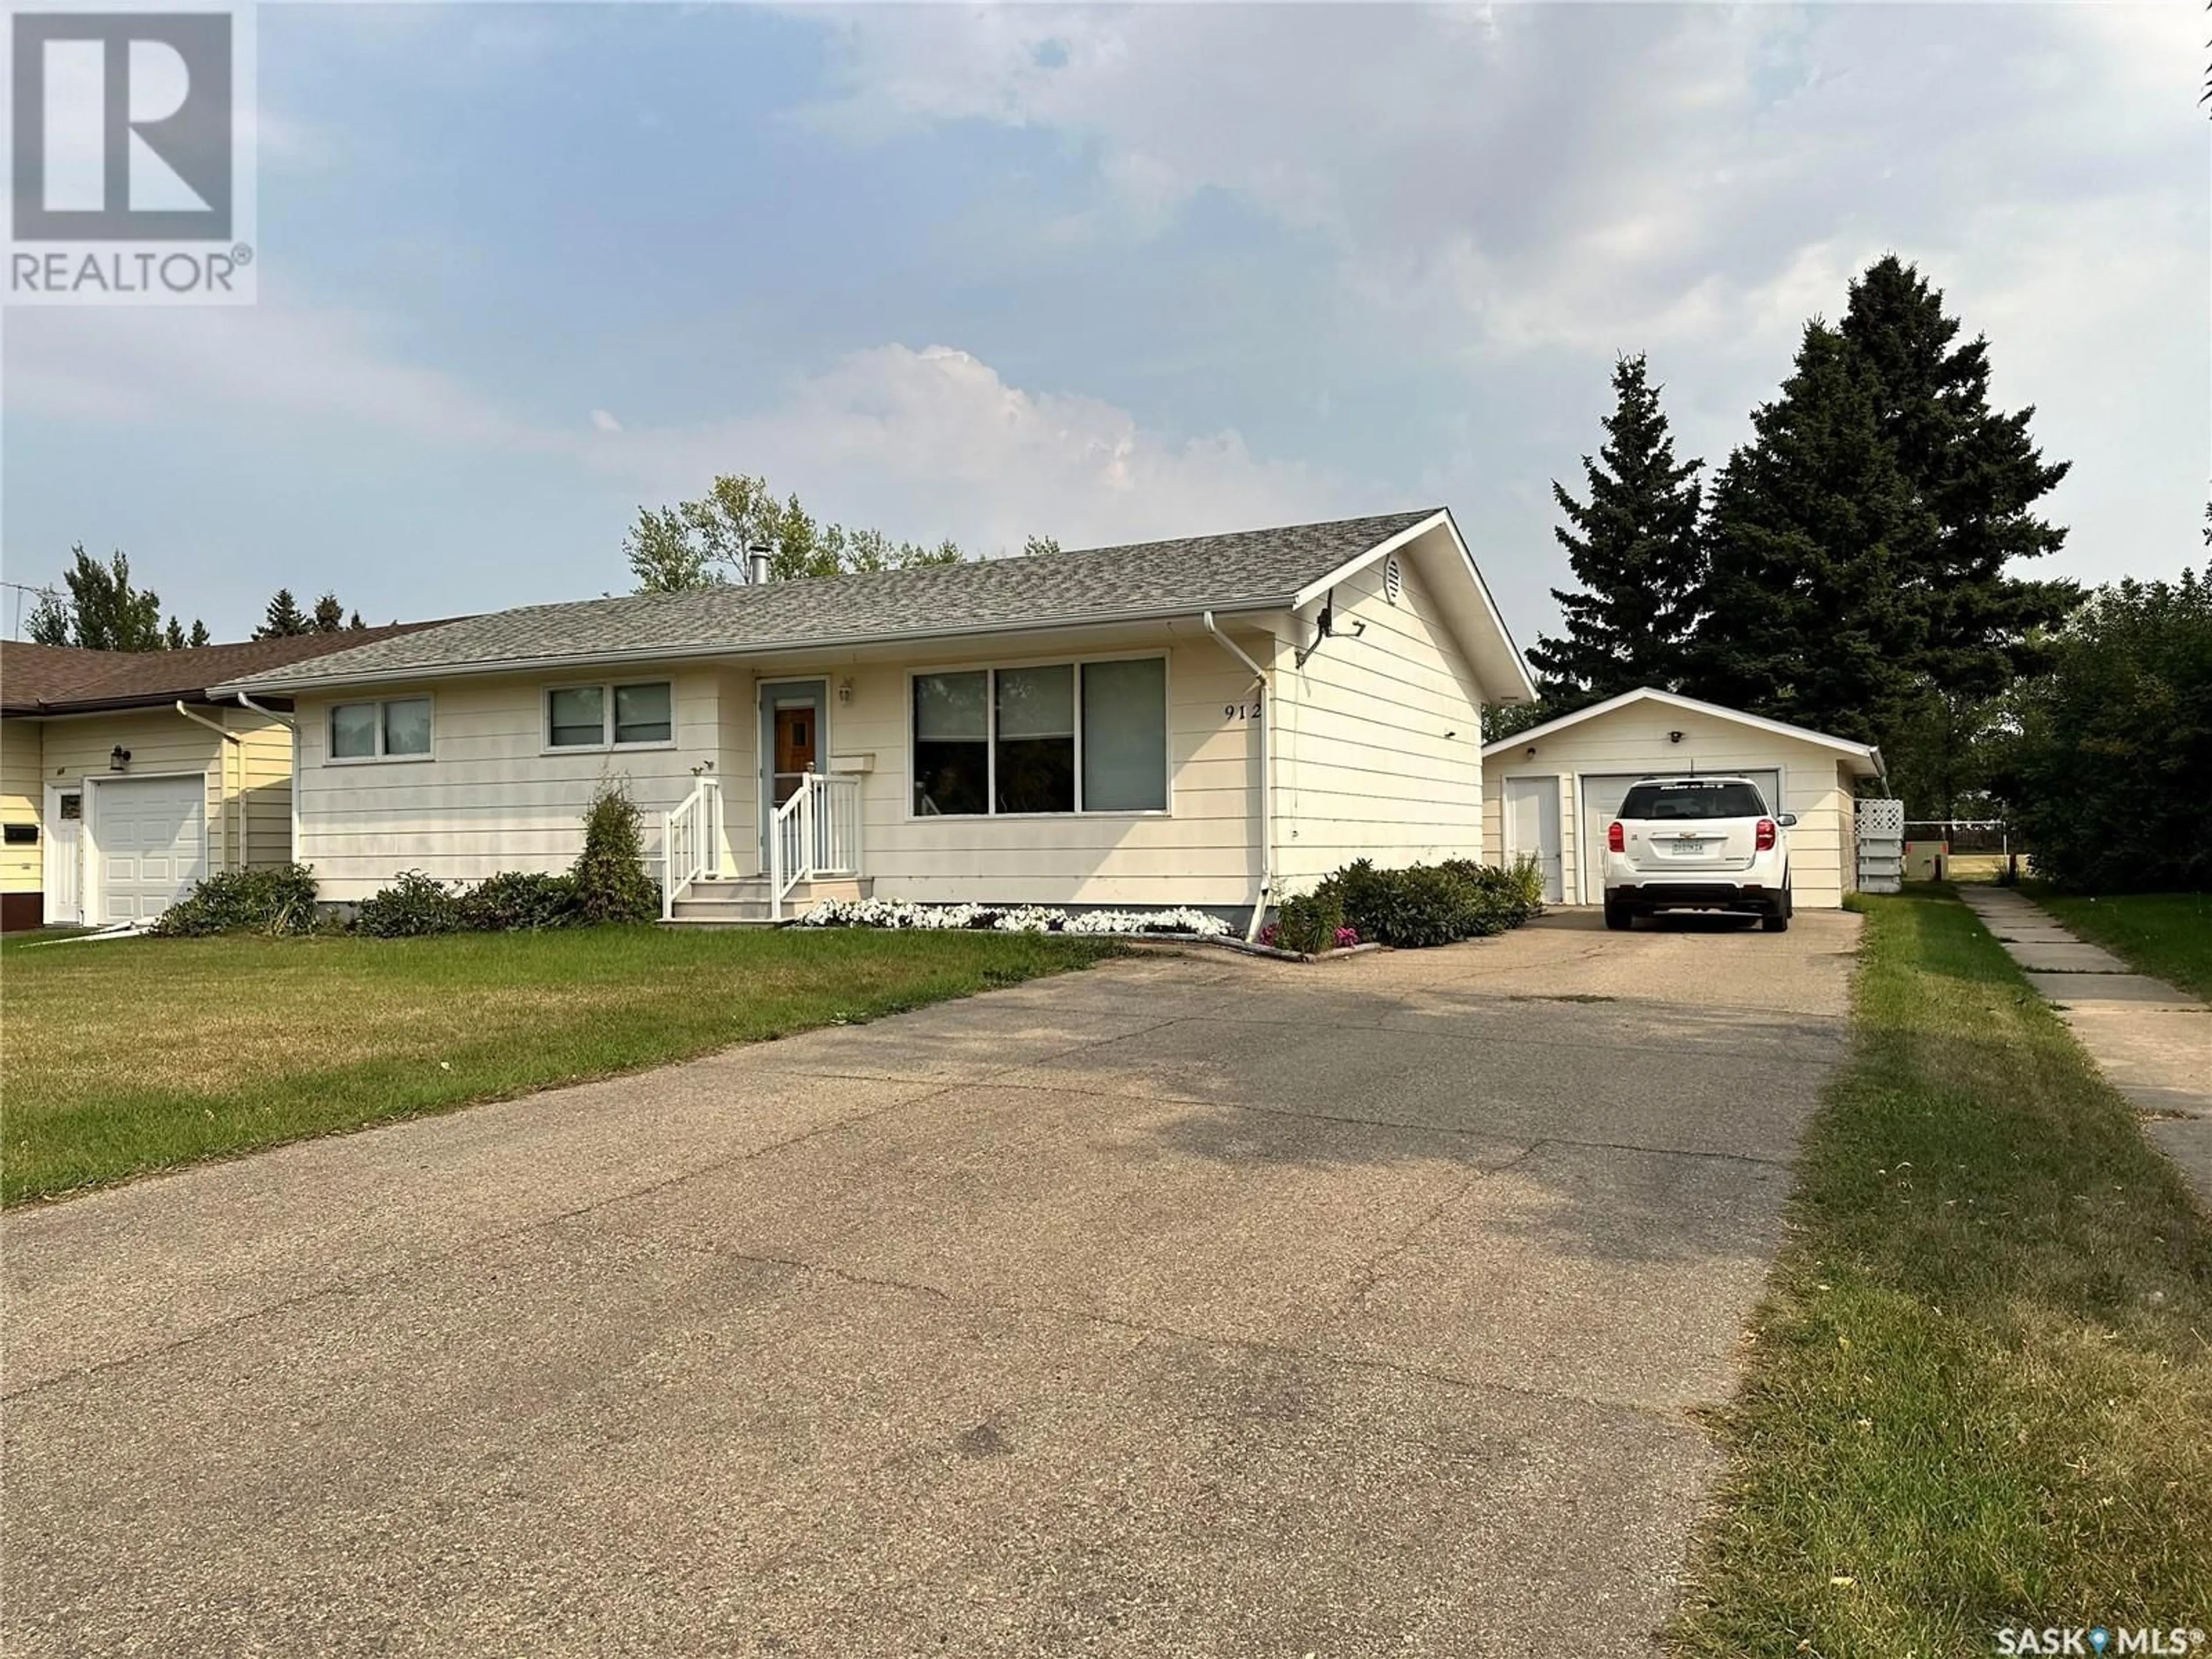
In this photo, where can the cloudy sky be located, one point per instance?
(1100, 273)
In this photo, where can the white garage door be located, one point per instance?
(1601, 799)
(148, 831)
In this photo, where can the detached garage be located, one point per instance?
(1548, 792)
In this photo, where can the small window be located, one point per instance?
(353, 731)
(603, 716)
(579, 717)
(407, 726)
(72, 808)
(21, 834)
(643, 713)
(398, 729)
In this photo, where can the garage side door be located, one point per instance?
(151, 848)
(1601, 799)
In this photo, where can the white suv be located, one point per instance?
(1697, 843)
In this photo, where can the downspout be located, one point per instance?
(1266, 776)
(292, 785)
(230, 849)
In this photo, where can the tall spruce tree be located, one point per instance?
(284, 619)
(1813, 533)
(1979, 474)
(1634, 546)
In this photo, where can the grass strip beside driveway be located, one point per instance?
(121, 1057)
(2166, 935)
(1980, 1393)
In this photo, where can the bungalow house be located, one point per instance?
(1208, 722)
(124, 779)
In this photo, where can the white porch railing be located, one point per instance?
(691, 841)
(815, 833)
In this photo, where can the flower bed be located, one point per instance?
(1010, 919)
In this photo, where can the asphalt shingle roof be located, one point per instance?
(1248, 569)
(56, 679)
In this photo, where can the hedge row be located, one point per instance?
(1422, 904)
(608, 883)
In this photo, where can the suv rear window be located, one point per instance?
(1662, 802)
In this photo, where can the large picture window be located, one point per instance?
(610, 716)
(1062, 738)
(397, 728)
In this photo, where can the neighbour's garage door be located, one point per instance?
(1601, 799)
(148, 831)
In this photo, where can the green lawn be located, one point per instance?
(116, 1058)
(2166, 934)
(1980, 1390)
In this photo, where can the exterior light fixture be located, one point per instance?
(845, 689)
(1674, 737)
(118, 759)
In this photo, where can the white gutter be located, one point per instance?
(233, 852)
(292, 785)
(1266, 776)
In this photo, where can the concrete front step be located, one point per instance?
(743, 901)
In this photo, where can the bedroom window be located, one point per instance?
(1059, 737)
(394, 728)
(610, 716)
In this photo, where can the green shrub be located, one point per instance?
(1309, 921)
(516, 901)
(611, 885)
(277, 900)
(1435, 905)
(414, 905)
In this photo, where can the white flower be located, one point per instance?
(1010, 919)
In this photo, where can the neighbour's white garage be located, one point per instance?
(151, 837)
(1550, 792)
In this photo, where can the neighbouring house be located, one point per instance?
(1549, 791)
(1207, 722)
(124, 779)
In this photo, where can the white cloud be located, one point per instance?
(603, 422)
(933, 442)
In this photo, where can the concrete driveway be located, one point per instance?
(1191, 1305)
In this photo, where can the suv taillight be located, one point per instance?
(1616, 838)
(1766, 832)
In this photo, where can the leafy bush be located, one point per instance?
(1434, 904)
(516, 901)
(414, 904)
(2104, 774)
(611, 882)
(1309, 921)
(277, 900)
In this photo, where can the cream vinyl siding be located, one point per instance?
(22, 797)
(1203, 850)
(1379, 737)
(489, 797)
(1634, 740)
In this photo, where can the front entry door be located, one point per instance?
(798, 739)
(65, 818)
(791, 744)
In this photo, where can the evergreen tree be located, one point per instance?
(329, 614)
(1815, 531)
(199, 635)
(1974, 470)
(285, 620)
(174, 639)
(357, 624)
(1635, 548)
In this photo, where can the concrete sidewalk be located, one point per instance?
(1191, 1305)
(2152, 1041)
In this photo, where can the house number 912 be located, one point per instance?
(1241, 711)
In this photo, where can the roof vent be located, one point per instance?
(1393, 578)
(756, 565)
